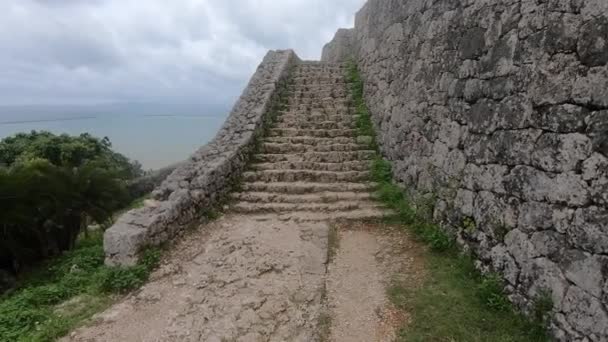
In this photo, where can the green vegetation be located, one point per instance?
(65, 150)
(66, 290)
(468, 224)
(456, 303)
(51, 188)
(333, 243)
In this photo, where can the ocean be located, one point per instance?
(156, 135)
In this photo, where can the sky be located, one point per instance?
(152, 51)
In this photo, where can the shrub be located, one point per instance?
(491, 293)
(51, 188)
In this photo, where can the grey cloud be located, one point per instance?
(74, 51)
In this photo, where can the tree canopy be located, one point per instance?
(51, 188)
(66, 151)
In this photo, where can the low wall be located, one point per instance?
(500, 110)
(197, 184)
(146, 184)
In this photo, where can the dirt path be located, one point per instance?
(368, 259)
(355, 289)
(240, 280)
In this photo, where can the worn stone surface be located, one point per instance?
(207, 176)
(501, 109)
(236, 280)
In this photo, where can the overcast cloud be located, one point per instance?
(88, 51)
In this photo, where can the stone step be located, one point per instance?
(341, 102)
(305, 175)
(311, 216)
(323, 74)
(320, 133)
(328, 108)
(303, 140)
(335, 93)
(318, 87)
(317, 112)
(316, 82)
(316, 125)
(319, 157)
(320, 197)
(336, 167)
(311, 140)
(278, 148)
(313, 118)
(307, 187)
(251, 207)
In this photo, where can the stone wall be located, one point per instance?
(500, 109)
(146, 184)
(341, 48)
(196, 185)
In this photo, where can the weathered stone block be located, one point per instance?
(534, 185)
(586, 271)
(561, 152)
(586, 313)
(589, 230)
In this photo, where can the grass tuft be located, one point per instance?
(456, 303)
(34, 311)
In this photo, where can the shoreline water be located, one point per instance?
(156, 140)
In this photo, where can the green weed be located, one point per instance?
(31, 311)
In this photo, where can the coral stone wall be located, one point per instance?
(197, 184)
(341, 49)
(500, 109)
(144, 185)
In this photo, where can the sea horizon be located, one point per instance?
(155, 134)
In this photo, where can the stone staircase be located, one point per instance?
(312, 166)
